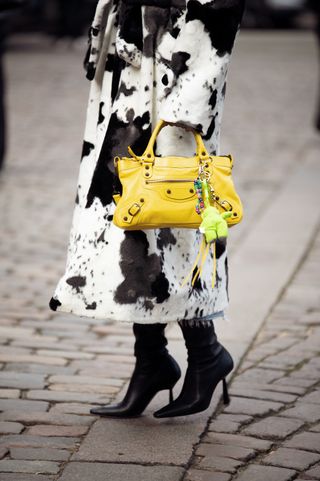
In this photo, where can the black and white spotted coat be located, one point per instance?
(148, 59)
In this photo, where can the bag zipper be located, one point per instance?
(159, 181)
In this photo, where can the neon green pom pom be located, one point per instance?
(213, 224)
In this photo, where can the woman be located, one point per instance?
(151, 59)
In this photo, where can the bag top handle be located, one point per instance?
(148, 154)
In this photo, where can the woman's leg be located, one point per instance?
(155, 370)
(208, 364)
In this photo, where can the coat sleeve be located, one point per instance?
(196, 71)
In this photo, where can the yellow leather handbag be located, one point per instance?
(159, 191)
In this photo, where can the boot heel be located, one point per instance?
(226, 397)
(170, 395)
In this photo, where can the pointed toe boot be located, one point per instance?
(155, 370)
(208, 364)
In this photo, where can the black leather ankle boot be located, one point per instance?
(155, 370)
(208, 364)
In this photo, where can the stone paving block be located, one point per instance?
(72, 334)
(306, 412)
(22, 466)
(295, 382)
(85, 380)
(68, 396)
(45, 430)
(33, 358)
(110, 350)
(268, 375)
(71, 408)
(54, 324)
(262, 386)
(273, 427)
(14, 350)
(119, 472)
(22, 404)
(25, 477)
(40, 454)
(10, 427)
(14, 332)
(256, 472)
(313, 397)
(252, 406)
(212, 450)
(50, 418)
(25, 440)
(222, 426)
(9, 393)
(38, 368)
(40, 343)
(238, 418)
(65, 354)
(21, 380)
(266, 395)
(200, 475)
(313, 473)
(291, 458)
(116, 358)
(94, 389)
(308, 441)
(237, 440)
(315, 428)
(110, 371)
(219, 463)
(306, 373)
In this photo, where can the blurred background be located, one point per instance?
(69, 20)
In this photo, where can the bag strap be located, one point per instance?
(149, 156)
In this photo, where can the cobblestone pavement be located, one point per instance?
(53, 368)
(271, 429)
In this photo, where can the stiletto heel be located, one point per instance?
(170, 395)
(208, 364)
(226, 397)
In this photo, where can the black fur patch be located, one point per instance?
(130, 22)
(178, 62)
(109, 66)
(86, 148)
(165, 80)
(125, 91)
(91, 70)
(221, 19)
(54, 304)
(91, 306)
(118, 65)
(104, 181)
(165, 238)
(211, 128)
(76, 282)
(143, 276)
(220, 247)
(156, 23)
(197, 286)
(101, 116)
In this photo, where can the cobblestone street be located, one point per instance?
(55, 367)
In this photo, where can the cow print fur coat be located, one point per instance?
(147, 59)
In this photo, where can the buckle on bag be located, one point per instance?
(134, 209)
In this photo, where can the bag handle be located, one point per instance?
(149, 156)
